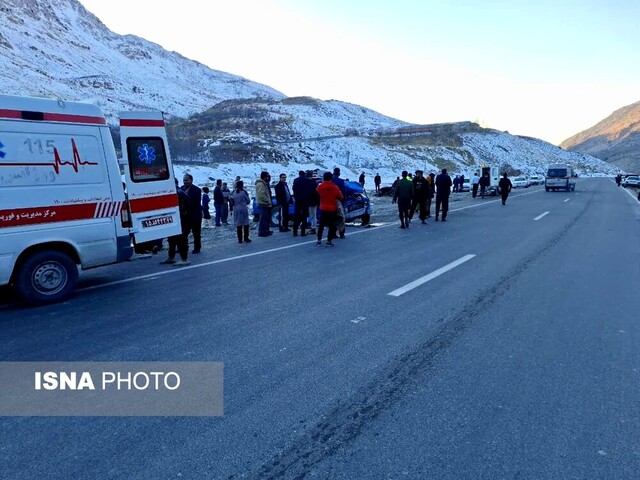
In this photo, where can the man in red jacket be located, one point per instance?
(329, 194)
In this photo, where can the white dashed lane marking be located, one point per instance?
(422, 280)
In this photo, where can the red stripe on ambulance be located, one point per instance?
(139, 205)
(4, 113)
(60, 117)
(20, 217)
(60, 213)
(52, 117)
(125, 122)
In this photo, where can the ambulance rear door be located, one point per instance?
(151, 189)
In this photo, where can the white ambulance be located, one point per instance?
(62, 200)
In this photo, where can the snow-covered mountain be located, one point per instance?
(57, 48)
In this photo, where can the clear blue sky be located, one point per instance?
(540, 68)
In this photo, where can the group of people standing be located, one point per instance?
(190, 208)
(193, 205)
(416, 193)
(221, 204)
(314, 200)
(310, 197)
(480, 182)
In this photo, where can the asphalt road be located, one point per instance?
(521, 359)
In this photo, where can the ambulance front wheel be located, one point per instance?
(46, 277)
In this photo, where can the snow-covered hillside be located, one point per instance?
(356, 155)
(57, 48)
(244, 137)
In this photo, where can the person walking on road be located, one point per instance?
(505, 187)
(443, 190)
(377, 181)
(330, 197)
(475, 183)
(263, 199)
(361, 180)
(618, 179)
(403, 195)
(240, 201)
(421, 189)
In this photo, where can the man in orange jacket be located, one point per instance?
(329, 194)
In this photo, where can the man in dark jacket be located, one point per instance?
(403, 194)
(194, 209)
(443, 190)
(505, 187)
(180, 242)
(377, 180)
(303, 189)
(485, 181)
(421, 189)
(283, 198)
(218, 201)
(361, 179)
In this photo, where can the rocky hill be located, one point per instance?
(616, 139)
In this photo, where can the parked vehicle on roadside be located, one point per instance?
(494, 178)
(520, 182)
(632, 181)
(536, 180)
(63, 205)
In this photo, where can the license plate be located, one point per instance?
(154, 222)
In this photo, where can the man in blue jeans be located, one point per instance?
(263, 199)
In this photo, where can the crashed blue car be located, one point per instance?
(356, 206)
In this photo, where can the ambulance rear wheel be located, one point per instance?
(46, 277)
